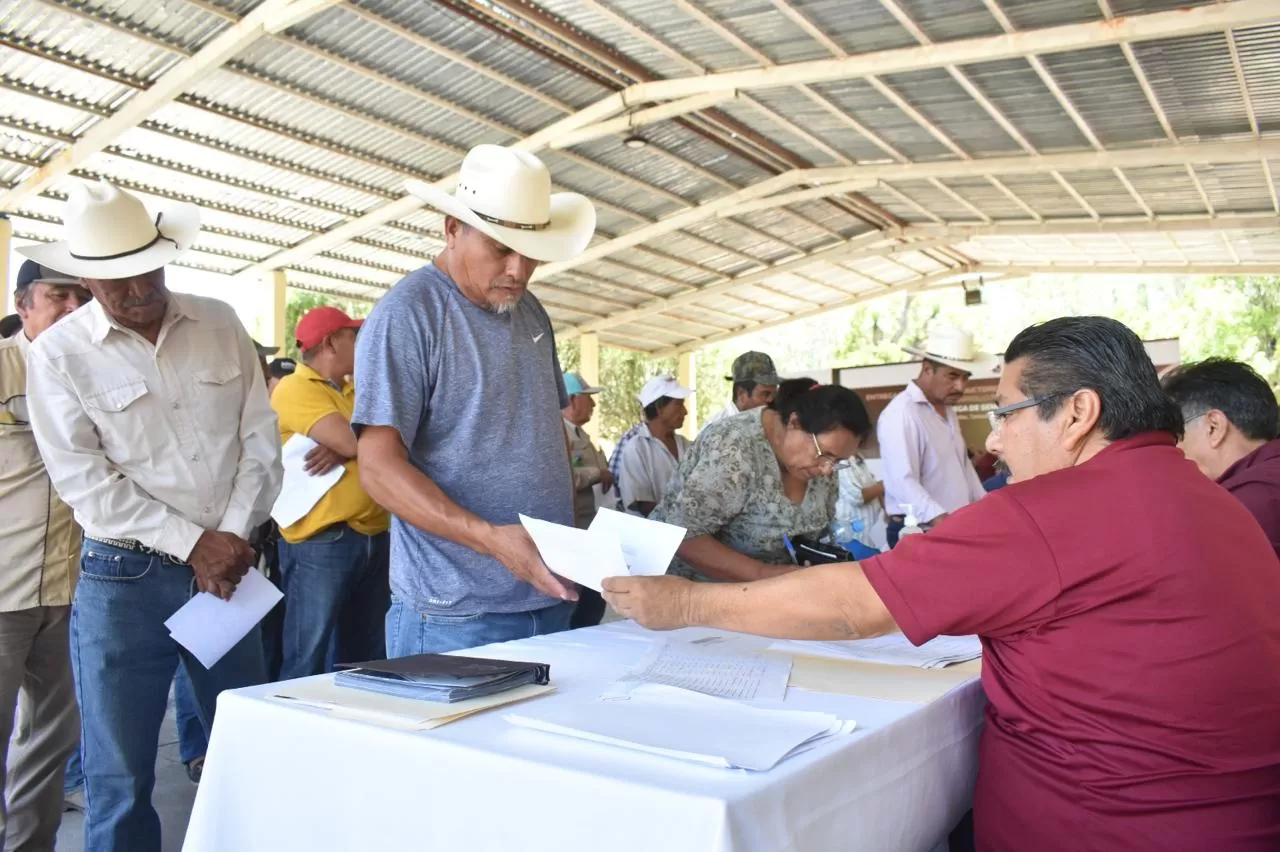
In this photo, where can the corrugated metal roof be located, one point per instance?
(306, 130)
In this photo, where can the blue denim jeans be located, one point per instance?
(193, 739)
(410, 632)
(124, 661)
(335, 590)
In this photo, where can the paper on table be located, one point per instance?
(876, 680)
(893, 649)
(300, 491)
(711, 670)
(583, 556)
(705, 730)
(648, 546)
(391, 711)
(209, 627)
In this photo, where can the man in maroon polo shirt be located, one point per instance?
(1127, 607)
(1231, 419)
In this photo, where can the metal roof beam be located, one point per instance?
(270, 16)
(1070, 227)
(858, 247)
(898, 287)
(1022, 269)
(1213, 18)
(837, 179)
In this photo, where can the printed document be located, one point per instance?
(300, 491)
(583, 556)
(721, 670)
(648, 546)
(209, 627)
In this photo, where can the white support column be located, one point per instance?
(687, 375)
(6, 234)
(589, 369)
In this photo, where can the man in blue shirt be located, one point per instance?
(458, 400)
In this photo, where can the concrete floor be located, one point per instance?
(173, 797)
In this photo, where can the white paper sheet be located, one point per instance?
(673, 723)
(648, 546)
(209, 627)
(894, 649)
(711, 669)
(583, 556)
(300, 491)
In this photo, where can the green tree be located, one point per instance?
(622, 375)
(298, 302)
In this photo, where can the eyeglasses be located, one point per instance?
(836, 462)
(997, 416)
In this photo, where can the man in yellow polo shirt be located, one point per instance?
(334, 561)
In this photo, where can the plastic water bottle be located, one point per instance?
(910, 524)
(845, 530)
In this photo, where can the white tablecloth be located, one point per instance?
(281, 778)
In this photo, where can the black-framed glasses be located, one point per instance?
(996, 416)
(836, 462)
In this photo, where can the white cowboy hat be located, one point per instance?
(506, 194)
(109, 234)
(952, 347)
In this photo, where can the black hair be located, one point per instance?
(651, 410)
(821, 408)
(9, 326)
(747, 386)
(1231, 387)
(1068, 354)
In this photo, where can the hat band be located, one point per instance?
(933, 356)
(507, 223)
(158, 237)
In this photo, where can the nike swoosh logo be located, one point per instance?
(538, 337)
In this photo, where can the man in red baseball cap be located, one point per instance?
(318, 324)
(333, 560)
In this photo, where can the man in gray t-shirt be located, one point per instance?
(458, 399)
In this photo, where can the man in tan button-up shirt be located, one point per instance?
(39, 554)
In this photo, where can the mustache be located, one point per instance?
(141, 303)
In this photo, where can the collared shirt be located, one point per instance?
(1127, 610)
(615, 460)
(1255, 482)
(302, 400)
(156, 443)
(729, 410)
(729, 486)
(645, 466)
(926, 465)
(39, 541)
(853, 479)
(588, 464)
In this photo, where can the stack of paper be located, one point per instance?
(616, 544)
(675, 723)
(894, 650)
(389, 711)
(441, 677)
(734, 669)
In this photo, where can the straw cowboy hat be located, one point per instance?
(506, 194)
(952, 347)
(109, 234)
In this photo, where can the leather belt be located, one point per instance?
(136, 547)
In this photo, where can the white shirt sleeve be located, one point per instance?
(259, 473)
(101, 497)
(899, 438)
